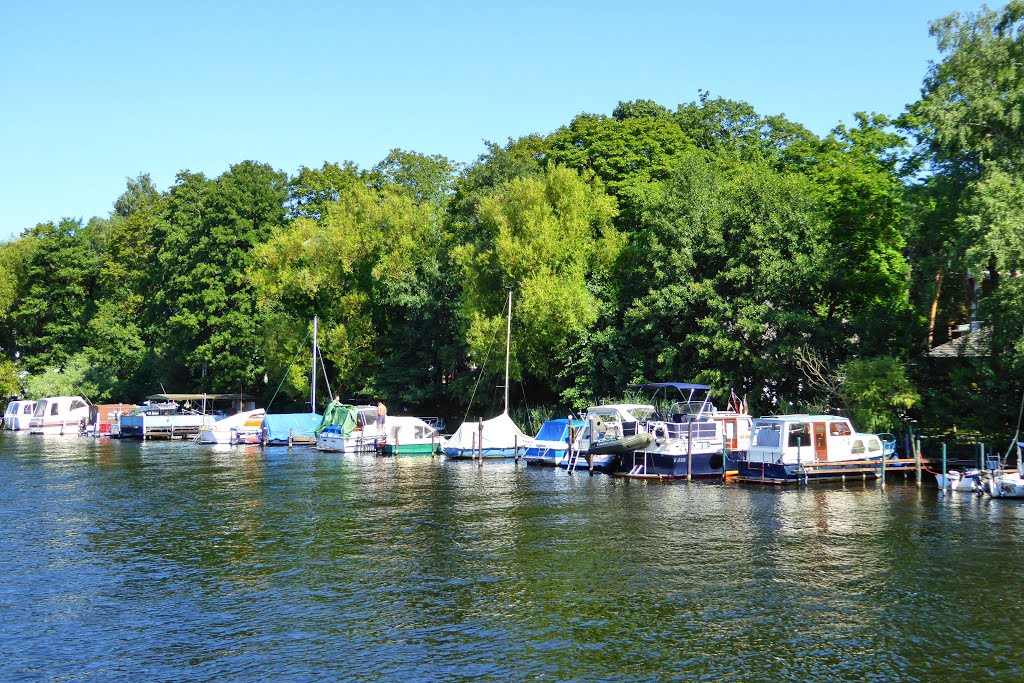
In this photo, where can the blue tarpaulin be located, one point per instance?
(299, 425)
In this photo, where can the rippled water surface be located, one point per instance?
(167, 561)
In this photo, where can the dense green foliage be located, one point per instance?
(709, 243)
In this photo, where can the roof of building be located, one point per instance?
(972, 345)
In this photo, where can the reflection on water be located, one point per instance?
(157, 561)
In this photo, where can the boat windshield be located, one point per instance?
(767, 433)
(40, 409)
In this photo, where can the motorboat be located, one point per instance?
(63, 415)
(792, 448)
(242, 428)
(18, 415)
(689, 438)
(551, 443)
(407, 435)
(608, 431)
(347, 428)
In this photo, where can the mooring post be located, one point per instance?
(593, 440)
(883, 468)
(515, 446)
(945, 477)
(689, 450)
(981, 456)
(725, 449)
(480, 441)
(919, 462)
(433, 443)
(799, 464)
(291, 437)
(472, 448)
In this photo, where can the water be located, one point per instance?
(123, 561)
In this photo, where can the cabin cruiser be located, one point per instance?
(551, 444)
(242, 428)
(791, 448)
(18, 415)
(347, 428)
(689, 437)
(407, 435)
(64, 415)
(608, 431)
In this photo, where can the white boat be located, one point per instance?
(608, 431)
(242, 428)
(349, 429)
(498, 437)
(65, 415)
(1000, 484)
(18, 415)
(407, 435)
(791, 448)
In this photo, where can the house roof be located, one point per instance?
(972, 345)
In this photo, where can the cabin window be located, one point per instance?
(874, 446)
(28, 409)
(767, 435)
(839, 429)
(55, 409)
(40, 409)
(858, 446)
(77, 404)
(799, 435)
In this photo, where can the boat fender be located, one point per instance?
(716, 461)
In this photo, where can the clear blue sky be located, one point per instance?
(92, 93)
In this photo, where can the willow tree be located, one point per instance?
(551, 239)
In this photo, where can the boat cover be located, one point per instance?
(556, 430)
(339, 415)
(300, 425)
(499, 432)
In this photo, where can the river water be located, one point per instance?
(125, 561)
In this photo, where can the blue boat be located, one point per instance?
(551, 442)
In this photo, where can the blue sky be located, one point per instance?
(94, 93)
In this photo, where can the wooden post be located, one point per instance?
(433, 443)
(981, 456)
(480, 441)
(172, 432)
(590, 456)
(945, 476)
(883, 470)
(515, 444)
(725, 449)
(689, 450)
(395, 453)
(918, 449)
(290, 437)
(472, 447)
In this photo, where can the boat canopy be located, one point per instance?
(499, 432)
(341, 415)
(681, 386)
(296, 425)
(556, 430)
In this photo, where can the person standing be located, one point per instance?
(382, 413)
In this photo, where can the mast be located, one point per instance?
(508, 343)
(312, 374)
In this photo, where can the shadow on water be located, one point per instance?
(171, 561)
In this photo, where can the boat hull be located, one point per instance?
(776, 473)
(670, 466)
(486, 454)
(410, 449)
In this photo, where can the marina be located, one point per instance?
(130, 560)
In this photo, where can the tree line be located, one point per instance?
(706, 243)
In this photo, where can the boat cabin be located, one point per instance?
(18, 415)
(59, 415)
(613, 422)
(791, 439)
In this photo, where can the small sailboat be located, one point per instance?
(498, 437)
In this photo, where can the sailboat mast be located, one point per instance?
(508, 344)
(312, 374)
